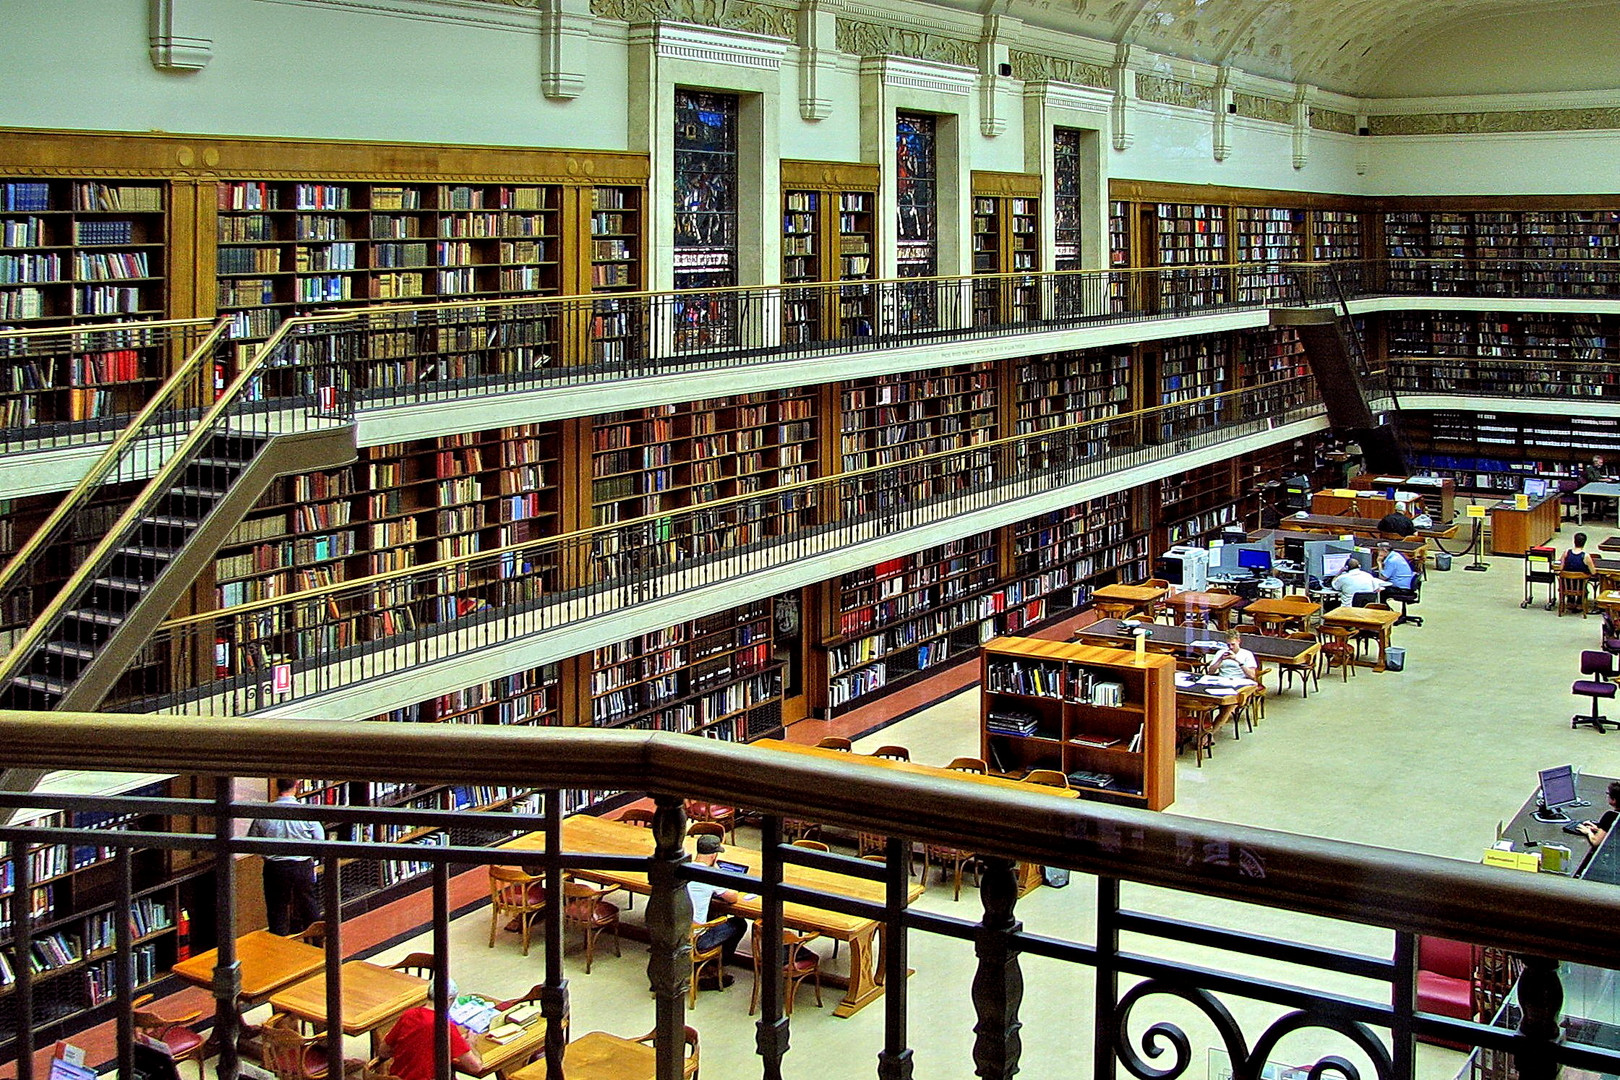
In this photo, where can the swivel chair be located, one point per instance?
(1407, 597)
(1600, 664)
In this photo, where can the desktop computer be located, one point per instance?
(1557, 792)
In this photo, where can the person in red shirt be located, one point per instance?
(410, 1044)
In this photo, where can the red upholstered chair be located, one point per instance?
(1445, 980)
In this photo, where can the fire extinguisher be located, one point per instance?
(182, 936)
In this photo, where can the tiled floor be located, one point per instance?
(1428, 760)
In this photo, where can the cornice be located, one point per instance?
(1061, 95)
(516, 16)
(733, 48)
(921, 75)
(1494, 103)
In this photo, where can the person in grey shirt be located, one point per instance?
(290, 899)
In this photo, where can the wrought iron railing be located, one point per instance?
(337, 635)
(1586, 381)
(1135, 954)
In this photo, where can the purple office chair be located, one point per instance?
(1600, 664)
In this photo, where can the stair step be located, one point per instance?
(124, 583)
(197, 492)
(175, 521)
(92, 615)
(164, 554)
(236, 464)
(68, 649)
(42, 684)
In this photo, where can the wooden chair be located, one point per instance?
(175, 1032)
(639, 816)
(1369, 637)
(969, 764)
(1195, 727)
(690, 1069)
(585, 906)
(702, 958)
(893, 753)
(798, 963)
(1047, 778)
(419, 964)
(290, 1055)
(811, 845)
(1572, 592)
(1114, 609)
(794, 829)
(313, 934)
(532, 995)
(514, 894)
(1160, 610)
(713, 814)
(951, 860)
(1337, 651)
(1247, 628)
(705, 828)
(833, 742)
(1305, 674)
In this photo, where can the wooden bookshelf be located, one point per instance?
(1058, 389)
(1006, 239)
(1266, 234)
(1196, 505)
(1061, 557)
(1193, 368)
(887, 419)
(75, 251)
(828, 234)
(617, 332)
(1191, 235)
(72, 909)
(1273, 361)
(1085, 711)
(715, 676)
(908, 615)
(1506, 335)
(1490, 452)
(1337, 234)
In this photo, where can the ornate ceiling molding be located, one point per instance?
(1501, 122)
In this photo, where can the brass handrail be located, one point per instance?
(583, 535)
(183, 376)
(105, 328)
(1530, 914)
(160, 481)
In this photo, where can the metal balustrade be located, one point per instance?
(1129, 956)
(337, 635)
(1560, 380)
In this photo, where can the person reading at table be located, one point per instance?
(1577, 560)
(725, 936)
(409, 1044)
(290, 900)
(1355, 580)
(1234, 661)
(1597, 831)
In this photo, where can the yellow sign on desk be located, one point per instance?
(1475, 511)
(1513, 860)
(1521, 502)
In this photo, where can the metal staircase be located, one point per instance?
(205, 462)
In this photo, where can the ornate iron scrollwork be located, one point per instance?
(1246, 1064)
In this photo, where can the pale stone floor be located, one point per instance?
(1428, 760)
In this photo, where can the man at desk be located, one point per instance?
(1234, 661)
(727, 934)
(1355, 580)
(1400, 575)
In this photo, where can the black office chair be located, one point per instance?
(1362, 599)
(1600, 666)
(1407, 597)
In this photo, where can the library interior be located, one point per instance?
(1061, 516)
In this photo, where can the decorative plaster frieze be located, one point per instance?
(1254, 107)
(743, 16)
(1033, 67)
(878, 39)
(706, 45)
(1483, 123)
(911, 74)
(1165, 90)
(1333, 120)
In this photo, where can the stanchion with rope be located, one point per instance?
(1476, 542)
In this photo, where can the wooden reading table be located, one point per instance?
(1280, 611)
(373, 996)
(1178, 641)
(586, 834)
(268, 963)
(1140, 597)
(1029, 874)
(1358, 618)
(1216, 606)
(600, 1056)
(1608, 572)
(504, 1059)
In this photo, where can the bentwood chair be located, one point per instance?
(586, 906)
(689, 1071)
(174, 1032)
(799, 962)
(515, 896)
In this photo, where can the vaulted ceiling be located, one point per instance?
(1376, 48)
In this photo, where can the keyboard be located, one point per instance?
(1574, 829)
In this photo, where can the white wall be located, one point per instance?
(1576, 162)
(306, 70)
(1176, 145)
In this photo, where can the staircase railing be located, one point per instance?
(165, 438)
(147, 440)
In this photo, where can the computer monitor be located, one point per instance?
(1535, 487)
(1333, 563)
(1557, 790)
(1252, 559)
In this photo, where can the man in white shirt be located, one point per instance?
(728, 933)
(1355, 580)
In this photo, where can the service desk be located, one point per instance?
(1593, 789)
(1515, 531)
(1364, 504)
(585, 834)
(1439, 495)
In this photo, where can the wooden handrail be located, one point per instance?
(1531, 914)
